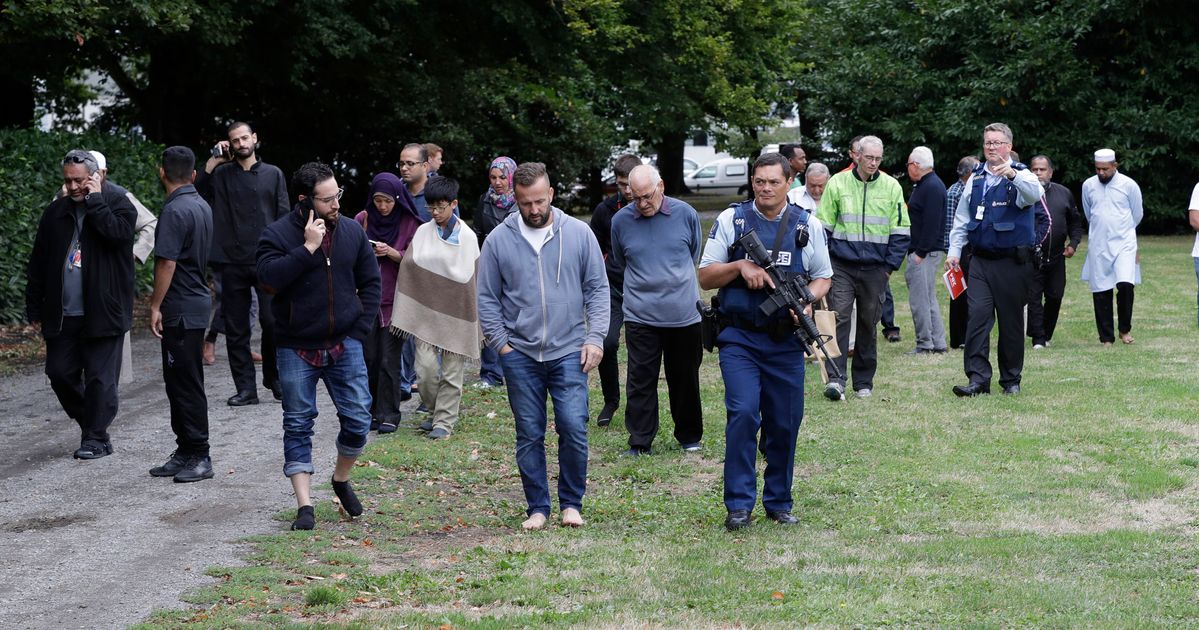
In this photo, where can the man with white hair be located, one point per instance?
(808, 195)
(1111, 202)
(926, 253)
(863, 211)
(657, 240)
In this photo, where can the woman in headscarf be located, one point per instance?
(390, 219)
(494, 206)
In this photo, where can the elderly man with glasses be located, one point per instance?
(79, 291)
(862, 208)
(326, 283)
(657, 241)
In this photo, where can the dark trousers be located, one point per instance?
(648, 348)
(1103, 310)
(183, 375)
(609, 368)
(83, 373)
(1049, 284)
(887, 316)
(382, 353)
(998, 290)
(867, 285)
(763, 396)
(959, 309)
(237, 281)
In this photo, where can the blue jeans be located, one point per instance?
(565, 382)
(489, 367)
(347, 384)
(407, 365)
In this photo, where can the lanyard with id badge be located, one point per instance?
(75, 255)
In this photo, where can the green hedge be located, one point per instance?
(30, 174)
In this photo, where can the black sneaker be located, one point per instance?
(197, 468)
(737, 519)
(305, 518)
(426, 426)
(171, 467)
(93, 450)
(349, 501)
(605, 415)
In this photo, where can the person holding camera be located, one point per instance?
(996, 217)
(761, 360)
(79, 292)
(246, 195)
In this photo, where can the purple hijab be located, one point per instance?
(386, 228)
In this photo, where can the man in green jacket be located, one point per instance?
(863, 210)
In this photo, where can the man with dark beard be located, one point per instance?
(246, 195)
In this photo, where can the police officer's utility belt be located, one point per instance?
(1019, 254)
(778, 329)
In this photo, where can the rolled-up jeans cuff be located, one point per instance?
(295, 468)
(349, 451)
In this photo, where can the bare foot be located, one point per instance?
(1126, 338)
(572, 518)
(209, 353)
(536, 521)
(1107, 344)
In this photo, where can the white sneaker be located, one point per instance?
(834, 391)
(1037, 346)
(864, 393)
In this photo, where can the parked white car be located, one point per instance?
(722, 177)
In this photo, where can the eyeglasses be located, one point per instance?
(872, 159)
(73, 159)
(638, 199)
(995, 144)
(331, 198)
(440, 207)
(407, 164)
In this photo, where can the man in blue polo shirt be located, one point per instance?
(657, 240)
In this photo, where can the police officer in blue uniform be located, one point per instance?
(761, 361)
(997, 216)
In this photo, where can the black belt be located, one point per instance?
(997, 254)
(777, 328)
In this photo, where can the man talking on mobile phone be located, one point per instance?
(80, 293)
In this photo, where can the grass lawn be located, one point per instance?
(1070, 505)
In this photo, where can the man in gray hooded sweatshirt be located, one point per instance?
(543, 306)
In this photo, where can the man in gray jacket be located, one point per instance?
(543, 306)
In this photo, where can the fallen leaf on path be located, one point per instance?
(778, 595)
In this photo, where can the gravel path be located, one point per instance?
(101, 544)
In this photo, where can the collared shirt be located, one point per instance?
(243, 202)
(658, 254)
(451, 230)
(802, 198)
(1028, 192)
(952, 196)
(814, 256)
(184, 235)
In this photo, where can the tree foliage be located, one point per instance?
(1069, 77)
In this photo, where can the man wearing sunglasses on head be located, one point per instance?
(246, 195)
(80, 293)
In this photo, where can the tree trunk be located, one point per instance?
(16, 108)
(670, 161)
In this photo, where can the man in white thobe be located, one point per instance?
(1111, 202)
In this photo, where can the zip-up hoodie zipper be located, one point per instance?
(329, 276)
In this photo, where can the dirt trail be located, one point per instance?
(101, 544)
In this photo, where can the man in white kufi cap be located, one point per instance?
(1111, 202)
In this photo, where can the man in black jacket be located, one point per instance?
(80, 292)
(246, 195)
(325, 279)
(1049, 281)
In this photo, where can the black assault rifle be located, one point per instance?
(792, 294)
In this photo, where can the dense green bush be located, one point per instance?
(30, 174)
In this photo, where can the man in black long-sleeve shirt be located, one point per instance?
(601, 225)
(1049, 282)
(246, 195)
(926, 253)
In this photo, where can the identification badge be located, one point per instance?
(978, 213)
(75, 260)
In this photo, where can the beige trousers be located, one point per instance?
(441, 374)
